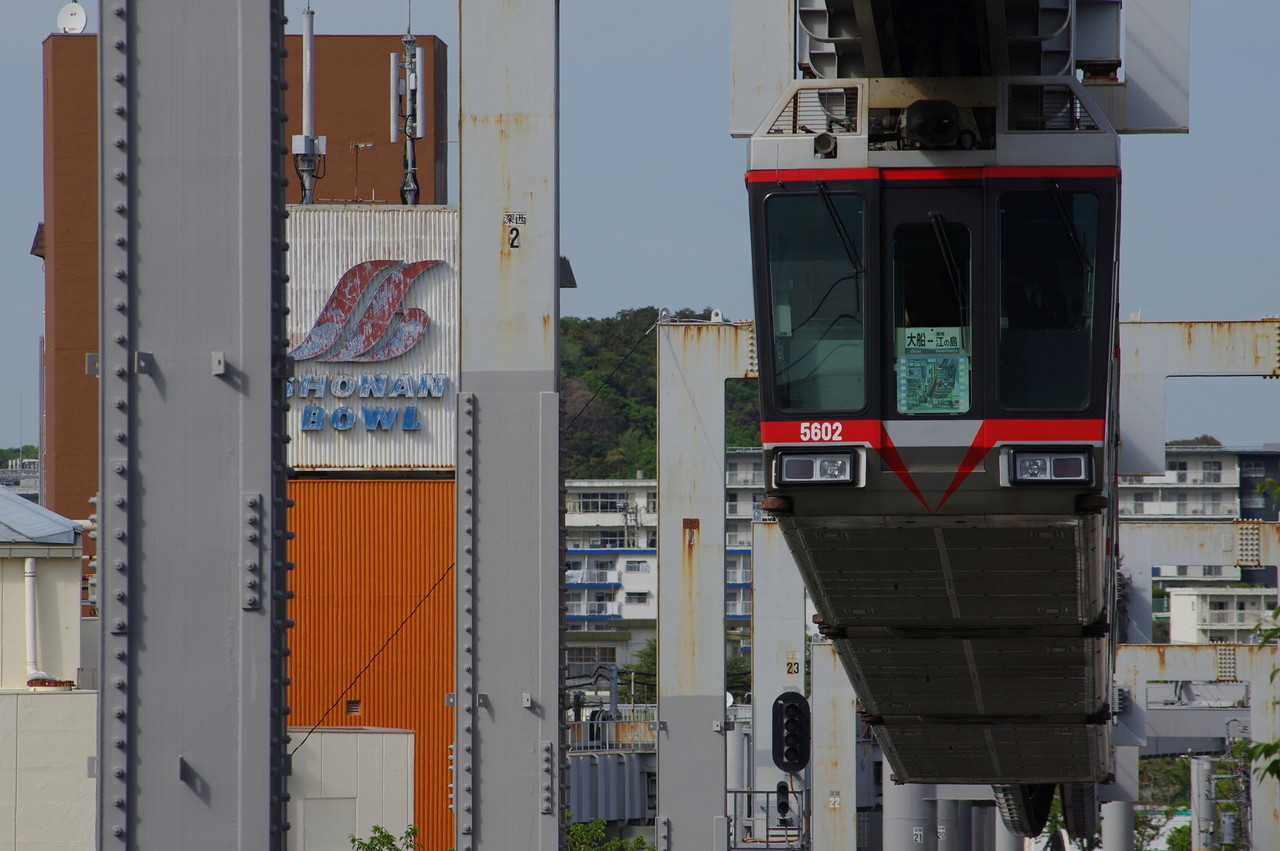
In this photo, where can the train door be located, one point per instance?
(932, 273)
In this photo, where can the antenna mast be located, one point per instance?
(409, 185)
(308, 149)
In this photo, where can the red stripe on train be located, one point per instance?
(992, 433)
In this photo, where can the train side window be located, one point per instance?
(816, 280)
(932, 332)
(1048, 244)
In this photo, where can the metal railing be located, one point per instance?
(740, 576)
(610, 734)
(592, 577)
(592, 610)
(754, 820)
(1234, 617)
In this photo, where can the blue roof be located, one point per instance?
(24, 522)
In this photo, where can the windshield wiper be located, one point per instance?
(948, 258)
(1069, 224)
(849, 248)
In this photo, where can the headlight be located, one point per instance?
(1030, 467)
(824, 467)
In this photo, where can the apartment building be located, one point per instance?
(1208, 602)
(1219, 615)
(1205, 482)
(611, 562)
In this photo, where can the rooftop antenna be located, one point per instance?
(308, 149)
(406, 107)
(71, 18)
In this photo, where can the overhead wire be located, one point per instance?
(374, 657)
(610, 376)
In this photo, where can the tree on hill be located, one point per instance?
(609, 390)
(1202, 440)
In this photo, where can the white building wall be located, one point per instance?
(345, 780)
(47, 791)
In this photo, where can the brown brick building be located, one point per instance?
(351, 108)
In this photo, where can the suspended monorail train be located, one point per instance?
(935, 278)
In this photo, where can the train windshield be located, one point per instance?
(817, 285)
(1048, 243)
(931, 296)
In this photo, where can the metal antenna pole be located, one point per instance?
(409, 186)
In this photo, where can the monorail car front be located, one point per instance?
(936, 309)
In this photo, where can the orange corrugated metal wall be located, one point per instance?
(366, 553)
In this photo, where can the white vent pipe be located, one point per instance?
(33, 663)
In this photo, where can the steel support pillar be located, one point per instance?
(910, 817)
(1117, 826)
(762, 59)
(964, 817)
(510, 762)
(192, 475)
(983, 824)
(694, 360)
(834, 774)
(777, 643)
(1004, 840)
(1136, 665)
(949, 825)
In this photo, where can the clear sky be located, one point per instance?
(653, 206)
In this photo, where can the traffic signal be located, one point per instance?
(791, 732)
(784, 803)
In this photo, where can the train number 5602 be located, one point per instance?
(821, 431)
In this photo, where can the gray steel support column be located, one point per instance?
(834, 773)
(777, 642)
(983, 821)
(510, 762)
(1004, 840)
(694, 360)
(1117, 826)
(964, 816)
(192, 475)
(762, 59)
(949, 825)
(910, 817)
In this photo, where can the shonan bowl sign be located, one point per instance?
(365, 321)
(374, 341)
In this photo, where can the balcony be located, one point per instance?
(737, 609)
(737, 540)
(1246, 619)
(593, 578)
(737, 576)
(1224, 511)
(744, 479)
(1195, 573)
(581, 610)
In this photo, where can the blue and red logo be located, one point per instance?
(386, 328)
